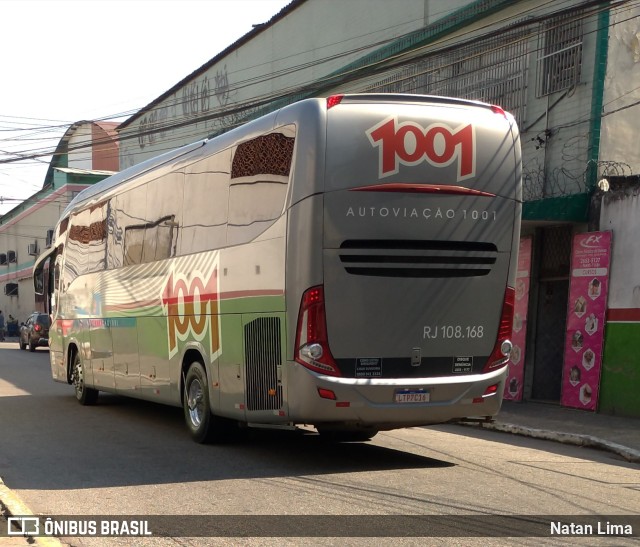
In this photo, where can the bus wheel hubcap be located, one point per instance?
(79, 380)
(195, 403)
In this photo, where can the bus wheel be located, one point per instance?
(84, 394)
(203, 425)
(337, 436)
(197, 412)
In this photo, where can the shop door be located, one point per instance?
(551, 317)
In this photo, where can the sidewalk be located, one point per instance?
(552, 422)
(11, 504)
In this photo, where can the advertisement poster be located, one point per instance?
(590, 259)
(515, 377)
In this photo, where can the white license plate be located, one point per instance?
(412, 396)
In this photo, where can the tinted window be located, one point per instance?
(259, 183)
(206, 203)
(133, 212)
(43, 319)
(97, 246)
(164, 216)
(77, 245)
(86, 247)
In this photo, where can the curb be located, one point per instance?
(12, 505)
(590, 441)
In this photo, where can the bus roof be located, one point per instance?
(129, 173)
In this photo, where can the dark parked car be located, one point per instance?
(35, 332)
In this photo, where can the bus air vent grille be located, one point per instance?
(263, 357)
(417, 258)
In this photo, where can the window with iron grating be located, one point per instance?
(492, 70)
(559, 63)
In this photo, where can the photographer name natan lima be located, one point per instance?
(607, 528)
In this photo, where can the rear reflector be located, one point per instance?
(326, 394)
(491, 390)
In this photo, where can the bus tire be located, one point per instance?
(86, 396)
(203, 426)
(337, 436)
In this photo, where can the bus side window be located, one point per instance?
(38, 279)
(132, 223)
(164, 216)
(114, 236)
(56, 288)
(259, 182)
(86, 244)
(206, 202)
(97, 246)
(77, 246)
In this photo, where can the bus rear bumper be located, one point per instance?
(392, 403)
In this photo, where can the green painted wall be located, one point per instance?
(573, 208)
(620, 381)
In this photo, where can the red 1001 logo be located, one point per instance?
(408, 143)
(191, 305)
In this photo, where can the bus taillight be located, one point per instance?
(334, 100)
(502, 349)
(498, 110)
(312, 347)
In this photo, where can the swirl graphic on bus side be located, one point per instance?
(191, 303)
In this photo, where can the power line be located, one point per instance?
(292, 69)
(265, 99)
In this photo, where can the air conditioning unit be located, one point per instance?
(32, 249)
(3, 259)
(49, 239)
(11, 256)
(11, 289)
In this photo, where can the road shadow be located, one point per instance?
(57, 444)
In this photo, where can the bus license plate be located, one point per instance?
(412, 396)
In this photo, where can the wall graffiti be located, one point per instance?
(203, 100)
(191, 100)
(153, 126)
(221, 89)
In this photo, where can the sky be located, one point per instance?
(65, 61)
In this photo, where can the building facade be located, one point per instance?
(618, 210)
(87, 153)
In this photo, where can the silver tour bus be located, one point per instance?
(345, 262)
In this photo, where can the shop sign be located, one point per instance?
(590, 266)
